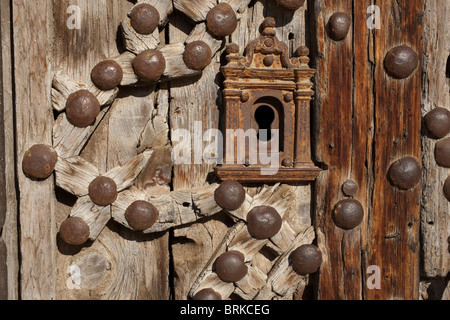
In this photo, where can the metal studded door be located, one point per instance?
(224, 149)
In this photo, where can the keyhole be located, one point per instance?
(264, 117)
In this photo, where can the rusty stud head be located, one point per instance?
(268, 60)
(221, 20)
(230, 266)
(141, 215)
(348, 214)
(263, 222)
(230, 195)
(405, 173)
(302, 51)
(306, 259)
(287, 162)
(437, 122)
(207, 294)
(107, 75)
(149, 65)
(232, 48)
(74, 231)
(442, 153)
(350, 188)
(291, 5)
(338, 26)
(400, 62)
(197, 55)
(144, 18)
(447, 188)
(82, 108)
(39, 161)
(245, 96)
(103, 191)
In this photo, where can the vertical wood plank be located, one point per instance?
(34, 120)
(393, 238)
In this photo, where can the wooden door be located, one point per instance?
(364, 120)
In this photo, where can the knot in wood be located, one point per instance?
(263, 222)
(230, 195)
(401, 61)
(437, 122)
(405, 173)
(306, 259)
(221, 20)
(338, 26)
(197, 55)
(103, 191)
(39, 161)
(74, 231)
(141, 215)
(82, 108)
(149, 65)
(291, 5)
(107, 75)
(230, 266)
(144, 18)
(207, 294)
(348, 214)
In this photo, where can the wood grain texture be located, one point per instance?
(435, 209)
(34, 121)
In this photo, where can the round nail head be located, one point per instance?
(141, 215)
(442, 153)
(287, 162)
(149, 65)
(74, 231)
(39, 161)
(230, 266)
(400, 62)
(350, 188)
(207, 294)
(348, 214)
(232, 48)
(103, 191)
(197, 55)
(230, 195)
(291, 5)
(144, 18)
(263, 222)
(339, 25)
(405, 173)
(82, 108)
(437, 122)
(221, 20)
(447, 188)
(306, 259)
(107, 75)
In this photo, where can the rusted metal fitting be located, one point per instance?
(348, 214)
(107, 75)
(144, 18)
(141, 215)
(197, 55)
(149, 65)
(230, 195)
(287, 162)
(103, 191)
(207, 294)
(437, 122)
(306, 259)
(291, 5)
(263, 222)
(405, 173)
(230, 266)
(74, 231)
(232, 48)
(268, 60)
(338, 26)
(39, 161)
(447, 188)
(350, 188)
(400, 62)
(82, 108)
(269, 22)
(221, 20)
(442, 153)
(302, 51)
(245, 96)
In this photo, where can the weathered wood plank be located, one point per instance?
(34, 121)
(3, 199)
(435, 209)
